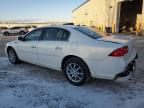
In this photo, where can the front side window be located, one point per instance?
(90, 32)
(55, 34)
(34, 35)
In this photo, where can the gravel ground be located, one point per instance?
(31, 86)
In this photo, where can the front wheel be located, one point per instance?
(6, 33)
(76, 71)
(13, 56)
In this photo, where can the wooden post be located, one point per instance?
(143, 19)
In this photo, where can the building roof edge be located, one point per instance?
(80, 5)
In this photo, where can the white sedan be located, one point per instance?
(80, 52)
(14, 30)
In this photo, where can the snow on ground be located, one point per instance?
(30, 86)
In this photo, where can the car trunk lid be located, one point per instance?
(123, 42)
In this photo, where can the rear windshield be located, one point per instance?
(90, 32)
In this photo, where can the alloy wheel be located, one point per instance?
(12, 56)
(74, 72)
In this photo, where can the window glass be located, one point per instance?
(65, 35)
(55, 34)
(90, 32)
(12, 28)
(15, 28)
(34, 35)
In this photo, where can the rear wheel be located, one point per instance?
(22, 33)
(13, 56)
(76, 71)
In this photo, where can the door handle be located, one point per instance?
(33, 46)
(58, 48)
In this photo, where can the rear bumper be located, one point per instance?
(129, 70)
(110, 67)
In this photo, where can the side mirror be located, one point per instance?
(20, 38)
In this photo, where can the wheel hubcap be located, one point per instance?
(74, 72)
(12, 56)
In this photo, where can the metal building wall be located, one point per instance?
(101, 14)
(97, 13)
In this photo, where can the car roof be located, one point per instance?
(17, 27)
(60, 26)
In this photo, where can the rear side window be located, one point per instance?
(89, 32)
(55, 34)
(15, 28)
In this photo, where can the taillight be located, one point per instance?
(119, 52)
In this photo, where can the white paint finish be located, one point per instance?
(27, 51)
(93, 51)
(51, 53)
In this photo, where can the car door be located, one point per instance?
(12, 30)
(52, 46)
(17, 30)
(27, 49)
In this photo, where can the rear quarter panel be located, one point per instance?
(96, 49)
(95, 54)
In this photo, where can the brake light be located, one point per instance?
(119, 52)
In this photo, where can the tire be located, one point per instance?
(13, 58)
(6, 33)
(76, 71)
(22, 33)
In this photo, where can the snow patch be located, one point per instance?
(30, 86)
